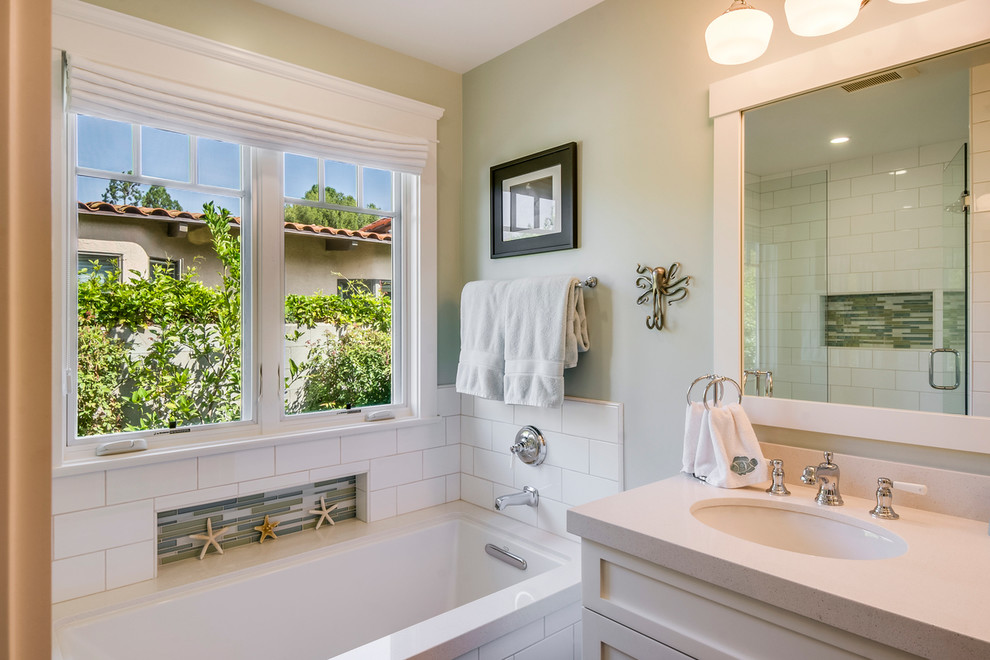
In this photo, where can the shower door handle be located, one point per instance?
(931, 369)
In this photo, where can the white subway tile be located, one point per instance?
(552, 517)
(235, 466)
(83, 532)
(452, 430)
(604, 460)
(493, 466)
(337, 471)
(772, 217)
(981, 192)
(477, 491)
(367, 445)
(839, 189)
(792, 196)
(272, 483)
(896, 280)
(381, 504)
(895, 399)
(896, 201)
(850, 244)
(851, 283)
(470, 655)
(515, 641)
(476, 432)
(497, 411)
(503, 436)
(895, 160)
(467, 459)
(448, 401)
(916, 177)
(981, 166)
(395, 470)
(872, 184)
(467, 404)
(914, 218)
(906, 259)
(873, 378)
(871, 261)
(453, 487)
(857, 396)
(567, 451)
(305, 455)
(846, 169)
(78, 576)
(441, 461)
(872, 223)
(128, 484)
(598, 421)
(201, 496)
(849, 206)
(421, 495)
(544, 478)
(130, 563)
(905, 239)
(545, 419)
(82, 491)
(558, 646)
(578, 641)
(582, 488)
(417, 438)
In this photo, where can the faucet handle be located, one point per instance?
(908, 487)
(885, 496)
(777, 474)
(828, 459)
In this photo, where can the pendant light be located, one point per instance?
(813, 18)
(740, 34)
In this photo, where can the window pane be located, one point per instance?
(302, 177)
(157, 352)
(218, 163)
(341, 183)
(377, 189)
(338, 314)
(164, 154)
(99, 266)
(102, 144)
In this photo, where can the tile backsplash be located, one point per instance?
(105, 523)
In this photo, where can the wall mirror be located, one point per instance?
(854, 261)
(857, 249)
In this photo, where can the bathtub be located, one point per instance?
(417, 586)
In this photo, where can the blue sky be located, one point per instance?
(107, 145)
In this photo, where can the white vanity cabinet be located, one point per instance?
(637, 609)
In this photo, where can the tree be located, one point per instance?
(129, 192)
(311, 215)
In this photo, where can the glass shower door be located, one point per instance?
(947, 362)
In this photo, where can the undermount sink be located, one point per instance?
(801, 529)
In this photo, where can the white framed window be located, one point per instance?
(170, 119)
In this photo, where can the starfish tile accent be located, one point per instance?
(323, 512)
(267, 529)
(211, 538)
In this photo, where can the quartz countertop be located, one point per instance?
(930, 601)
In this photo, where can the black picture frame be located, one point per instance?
(534, 203)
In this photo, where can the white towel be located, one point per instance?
(481, 365)
(545, 329)
(694, 416)
(731, 458)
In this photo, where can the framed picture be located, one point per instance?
(534, 203)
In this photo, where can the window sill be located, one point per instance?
(82, 459)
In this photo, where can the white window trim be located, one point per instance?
(103, 35)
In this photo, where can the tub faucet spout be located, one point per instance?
(529, 496)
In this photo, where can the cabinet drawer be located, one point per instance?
(604, 639)
(707, 621)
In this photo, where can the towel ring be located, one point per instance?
(698, 380)
(719, 380)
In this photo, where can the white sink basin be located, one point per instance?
(796, 528)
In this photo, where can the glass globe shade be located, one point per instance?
(739, 35)
(813, 18)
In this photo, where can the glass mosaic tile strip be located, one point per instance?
(289, 507)
(890, 320)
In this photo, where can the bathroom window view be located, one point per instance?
(164, 288)
(856, 248)
(158, 346)
(338, 340)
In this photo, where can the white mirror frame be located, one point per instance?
(939, 31)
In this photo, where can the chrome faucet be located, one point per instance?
(529, 496)
(826, 475)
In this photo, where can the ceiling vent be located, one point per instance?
(880, 79)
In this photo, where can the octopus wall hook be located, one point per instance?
(663, 288)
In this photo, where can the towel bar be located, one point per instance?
(591, 282)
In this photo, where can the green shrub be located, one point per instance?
(349, 371)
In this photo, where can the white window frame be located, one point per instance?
(102, 35)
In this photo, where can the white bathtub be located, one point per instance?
(417, 586)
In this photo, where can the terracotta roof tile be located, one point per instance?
(380, 230)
